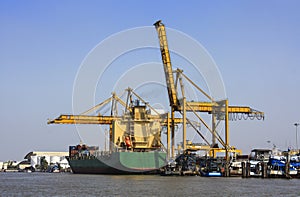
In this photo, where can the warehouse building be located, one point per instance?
(52, 159)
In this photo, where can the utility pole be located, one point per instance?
(296, 125)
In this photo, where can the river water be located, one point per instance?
(68, 184)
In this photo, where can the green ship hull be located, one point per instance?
(119, 163)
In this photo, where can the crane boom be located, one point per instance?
(165, 54)
(210, 107)
(101, 120)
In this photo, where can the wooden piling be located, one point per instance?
(243, 170)
(263, 170)
(248, 169)
(287, 166)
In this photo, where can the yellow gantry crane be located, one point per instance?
(219, 110)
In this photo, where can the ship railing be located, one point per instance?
(81, 157)
(94, 155)
(101, 153)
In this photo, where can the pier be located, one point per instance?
(260, 165)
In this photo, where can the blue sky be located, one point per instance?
(255, 44)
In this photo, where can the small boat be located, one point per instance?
(212, 167)
(277, 168)
(236, 168)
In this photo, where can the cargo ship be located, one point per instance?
(91, 161)
(135, 145)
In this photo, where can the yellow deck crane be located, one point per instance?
(219, 110)
(135, 122)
